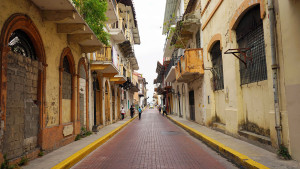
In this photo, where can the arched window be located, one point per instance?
(67, 76)
(20, 43)
(217, 64)
(250, 34)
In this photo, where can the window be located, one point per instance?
(217, 69)
(198, 42)
(20, 43)
(250, 34)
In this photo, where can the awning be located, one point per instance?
(70, 22)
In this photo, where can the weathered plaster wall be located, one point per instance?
(54, 44)
(287, 30)
(234, 103)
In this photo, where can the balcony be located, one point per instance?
(111, 11)
(104, 64)
(190, 66)
(170, 71)
(117, 31)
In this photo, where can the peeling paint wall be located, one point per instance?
(54, 44)
(288, 26)
(235, 105)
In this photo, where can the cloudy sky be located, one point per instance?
(150, 15)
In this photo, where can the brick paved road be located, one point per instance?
(153, 143)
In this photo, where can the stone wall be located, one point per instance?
(22, 114)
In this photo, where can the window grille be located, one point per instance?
(250, 34)
(218, 80)
(198, 42)
(20, 43)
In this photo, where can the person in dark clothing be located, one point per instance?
(159, 109)
(131, 111)
(140, 113)
(164, 110)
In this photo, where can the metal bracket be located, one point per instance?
(242, 54)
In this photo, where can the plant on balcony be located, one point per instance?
(175, 31)
(93, 12)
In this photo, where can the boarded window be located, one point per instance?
(217, 63)
(66, 80)
(250, 34)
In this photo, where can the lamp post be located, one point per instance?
(94, 75)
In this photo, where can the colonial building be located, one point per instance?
(57, 78)
(234, 70)
(42, 48)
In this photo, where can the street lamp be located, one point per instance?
(94, 75)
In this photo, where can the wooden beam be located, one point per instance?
(79, 37)
(70, 27)
(98, 67)
(58, 15)
(90, 49)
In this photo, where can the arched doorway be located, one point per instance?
(83, 94)
(183, 99)
(99, 115)
(113, 103)
(107, 103)
(179, 108)
(118, 104)
(22, 85)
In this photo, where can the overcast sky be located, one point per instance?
(150, 15)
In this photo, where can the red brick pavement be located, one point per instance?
(153, 143)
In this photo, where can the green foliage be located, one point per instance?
(24, 161)
(283, 152)
(78, 137)
(41, 153)
(83, 133)
(93, 11)
(5, 164)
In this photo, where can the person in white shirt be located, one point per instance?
(122, 112)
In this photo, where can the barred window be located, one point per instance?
(198, 42)
(250, 34)
(217, 70)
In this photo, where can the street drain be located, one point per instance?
(169, 133)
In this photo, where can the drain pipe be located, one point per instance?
(275, 67)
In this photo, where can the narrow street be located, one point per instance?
(153, 142)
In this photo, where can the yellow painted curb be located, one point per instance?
(227, 152)
(79, 155)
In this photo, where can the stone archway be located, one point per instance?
(22, 86)
(83, 101)
(107, 103)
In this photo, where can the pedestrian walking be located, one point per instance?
(131, 111)
(122, 112)
(140, 113)
(164, 110)
(159, 108)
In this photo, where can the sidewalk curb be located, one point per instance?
(79, 155)
(227, 152)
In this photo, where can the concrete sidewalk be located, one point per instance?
(242, 148)
(57, 156)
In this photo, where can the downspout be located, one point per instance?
(275, 68)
